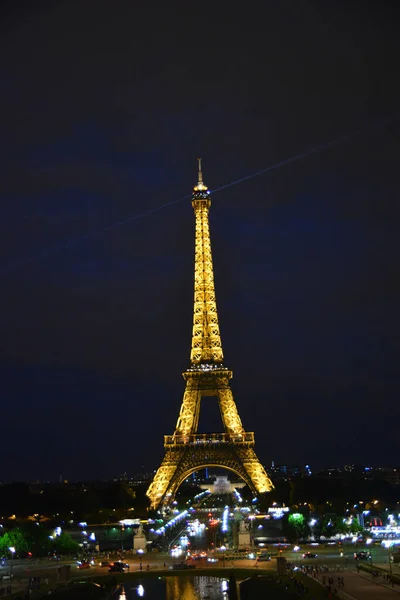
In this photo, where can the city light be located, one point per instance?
(172, 522)
(130, 522)
(201, 495)
(238, 496)
(225, 516)
(278, 512)
(195, 527)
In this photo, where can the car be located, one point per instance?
(309, 555)
(116, 568)
(104, 563)
(362, 555)
(84, 565)
(263, 558)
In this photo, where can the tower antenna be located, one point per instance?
(200, 175)
(200, 187)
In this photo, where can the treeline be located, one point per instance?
(78, 502)
(34, 539)
(340, 493)
(318, 492)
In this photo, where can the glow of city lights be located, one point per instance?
(172, 522)
(238, 496)
(278, 512)
(225, 516)
(130, 522)
(195, 527)
(201, 495)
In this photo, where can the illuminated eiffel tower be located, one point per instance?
(186, 450)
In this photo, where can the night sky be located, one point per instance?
(104, 107)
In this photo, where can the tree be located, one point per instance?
(355, 527)
(13, 539)
(295, 527)
(36, 537)
(328, 527)
(64, 544)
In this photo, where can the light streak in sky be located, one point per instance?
(315, 150)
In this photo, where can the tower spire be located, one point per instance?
(200, 187)
(200, 181)
(206, 338)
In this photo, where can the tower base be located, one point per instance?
(185, 455)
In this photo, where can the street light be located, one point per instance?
(390, 566)
(12, 550)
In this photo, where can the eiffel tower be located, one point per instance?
(186, 450)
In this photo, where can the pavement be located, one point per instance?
(361, 586)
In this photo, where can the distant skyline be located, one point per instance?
(62, 477)
(103, 113)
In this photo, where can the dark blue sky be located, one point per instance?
(103, 110)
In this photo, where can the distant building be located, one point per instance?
(288, 471)
(222, 485)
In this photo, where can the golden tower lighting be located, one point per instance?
(186, 450)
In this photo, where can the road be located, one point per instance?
(357, 586)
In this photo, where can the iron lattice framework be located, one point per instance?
(187, 451)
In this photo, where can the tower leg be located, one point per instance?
(255, 471)
(190, 410)
(229, 412)
(163, 477)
